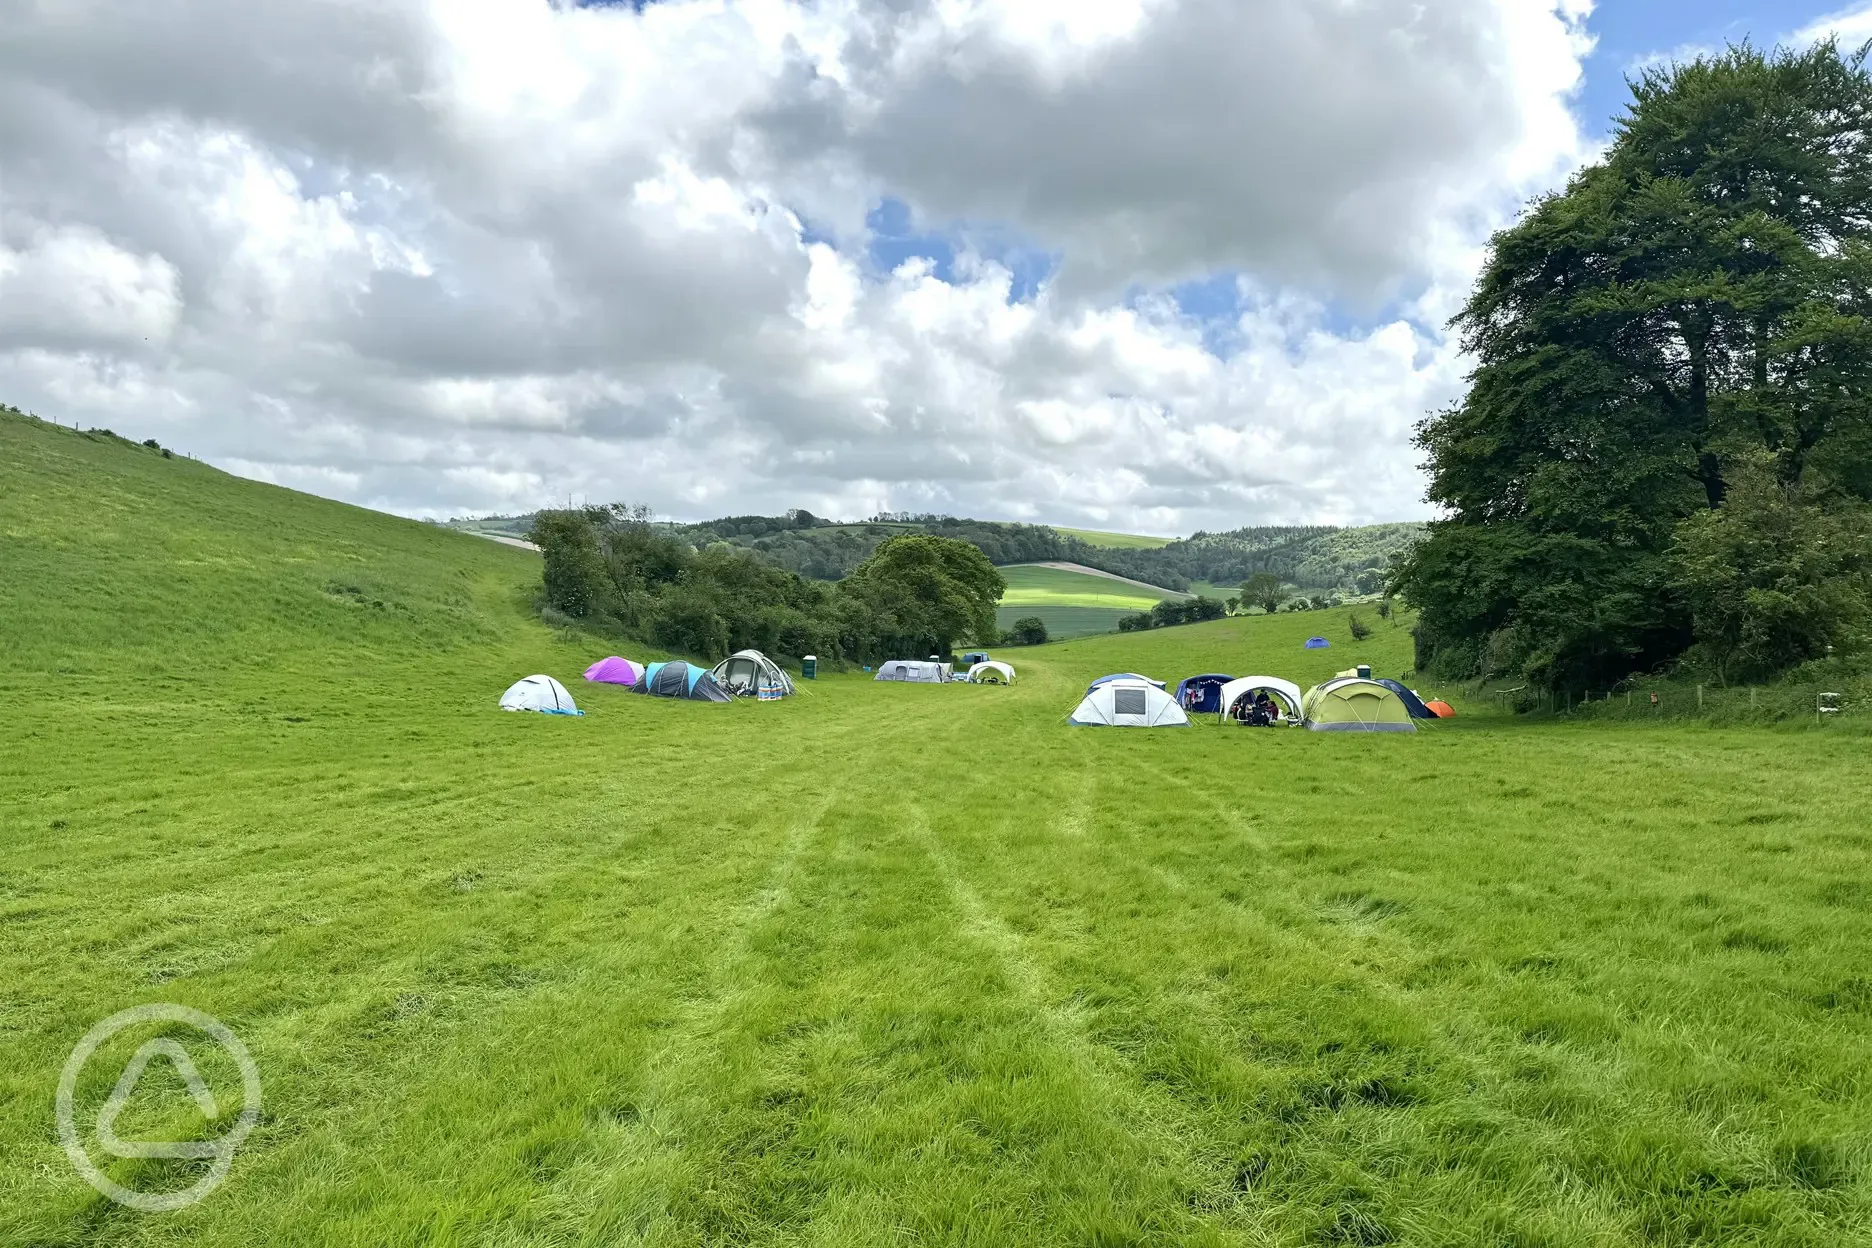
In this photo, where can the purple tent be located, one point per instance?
(615, 671)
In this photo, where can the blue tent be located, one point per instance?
(1106, 680)
(1412, 703)
(677, 679)
(1317, 643)
(1202, 693)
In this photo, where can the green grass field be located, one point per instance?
(1115, 541)
(1073, 604)
(879, 964)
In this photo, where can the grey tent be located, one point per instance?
(920, 672)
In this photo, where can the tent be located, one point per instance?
(677, 679)
(1412, 703)
(749, 673)
(1441, 709)
(1283, 690)
(989, 672)
(1318, 643)
(916, 671)
(1123, 676)
(973, 657)
(1129, 704)
(539, 693)
(1201, 693)
(615, 671)
(1352, 704)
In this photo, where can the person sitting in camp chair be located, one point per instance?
(1242, 711)
(1267, 715)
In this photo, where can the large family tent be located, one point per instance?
(1354, 704)
(1129, 704)
(1318, 643)
(991, 672)
(751, 674)
(1202, 693)
(677, 679)
(1418, 708)
(1284, 691)
(615, 671)
(1131, 676)
(539, 693)
(973, 657)
(921, 672)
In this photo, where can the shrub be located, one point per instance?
(1359, 629)
(1029, 630)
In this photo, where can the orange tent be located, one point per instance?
(1442, 710)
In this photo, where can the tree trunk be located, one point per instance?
(1709, 467)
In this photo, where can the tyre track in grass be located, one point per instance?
(1172, 1138)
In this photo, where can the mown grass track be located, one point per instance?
(887, 963)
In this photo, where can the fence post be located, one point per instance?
(1699, 697)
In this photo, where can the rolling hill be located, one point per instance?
(1072, 603)
(879, 963)
(1114, 541)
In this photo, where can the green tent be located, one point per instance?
(1353, 704)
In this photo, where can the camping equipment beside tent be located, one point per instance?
(1440, 709)
(1248, 686)
(539, 693)
(1201, 694)
(1105, 680)
(991, 672)
(1318, 643)
(973, 657)
(615, 671)
(915, 671)
(749, 673)
(1129, 704)
(1350, 704)
(1412, 703)
(677, 679)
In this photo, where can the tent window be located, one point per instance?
(1128, 702)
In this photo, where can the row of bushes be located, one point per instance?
(1170, 612)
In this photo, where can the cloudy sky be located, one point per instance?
(1153, 265)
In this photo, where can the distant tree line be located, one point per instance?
(1665, 454)
(612, 568)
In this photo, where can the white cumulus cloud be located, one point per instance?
(494, 254)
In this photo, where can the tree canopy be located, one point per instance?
(1689, 310)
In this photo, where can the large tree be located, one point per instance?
(922, 594)
(1698, 299)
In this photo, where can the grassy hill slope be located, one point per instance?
(1114, 541)
(1071, 603)
(881, 963)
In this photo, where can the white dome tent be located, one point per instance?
(749, 673)
(539, 693)
(1285, 690)
(1129, 704)
(991, 672)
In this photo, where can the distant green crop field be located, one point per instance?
(1031, 585)
(1072, 604)
(685, 974)
(1116, 541)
